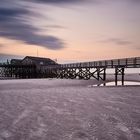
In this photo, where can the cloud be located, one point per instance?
(59, 1)
(14, 25)
(117, 41)
(55, 27)
(135, 1)
(65, 2)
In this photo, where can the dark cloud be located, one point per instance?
(14, 25)
(6, 13)
(117, 41)
(59, 1)
(62, 3)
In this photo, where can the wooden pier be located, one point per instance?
(83, 70)
(17, 71)
(96, 69)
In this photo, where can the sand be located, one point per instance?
(60, 109)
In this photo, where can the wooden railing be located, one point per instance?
(125, 62)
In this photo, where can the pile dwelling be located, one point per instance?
(37, 67)
(29, 67)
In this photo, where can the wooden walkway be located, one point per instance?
(82, 70)
(96, 69)
(125, 62)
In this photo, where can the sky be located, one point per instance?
(70, 30)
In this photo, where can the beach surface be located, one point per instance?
(62, 109)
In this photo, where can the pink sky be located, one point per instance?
(70, 31)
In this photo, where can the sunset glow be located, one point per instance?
(70, 30)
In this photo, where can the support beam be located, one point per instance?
(119, 71)
(101, 74)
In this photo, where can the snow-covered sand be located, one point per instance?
(56, 109)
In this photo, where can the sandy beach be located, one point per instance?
(61, 109)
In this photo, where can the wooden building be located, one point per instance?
(32, 67)
(16, 61)
(38, 61)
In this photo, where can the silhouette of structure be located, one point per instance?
(36, 67)
(96, 69)
(29, 67)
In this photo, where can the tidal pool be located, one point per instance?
(119, 83)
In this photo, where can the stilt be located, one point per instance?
(104, 74)
(119, 71)
(98, 74)
(116, 76)
(123, 76)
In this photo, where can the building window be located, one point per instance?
(41, 63)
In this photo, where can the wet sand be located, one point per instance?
(60, 109)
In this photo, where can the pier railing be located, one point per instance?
(125, 62)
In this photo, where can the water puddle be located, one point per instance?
(119, 83)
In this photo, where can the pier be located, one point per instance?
(17, 71)
(82, 70)
(96, 69)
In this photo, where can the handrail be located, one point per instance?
(125, 62)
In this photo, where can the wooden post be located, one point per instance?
(11, 72)
(104, 74)
(118, 62)
(111, 63)
(116, 76)
(122, 71)
(135, 61)
(126, 62)
(98, 73)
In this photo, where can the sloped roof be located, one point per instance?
(19, 60)
(40, 59)
(16, 61)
